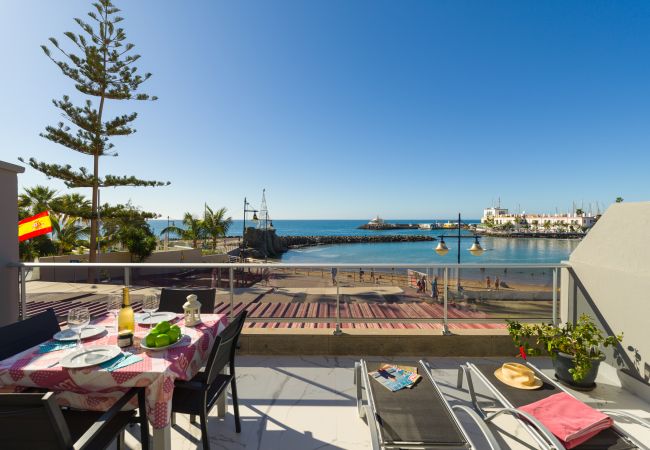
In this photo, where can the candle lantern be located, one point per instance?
(192, 311)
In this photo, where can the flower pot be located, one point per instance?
(563, 362)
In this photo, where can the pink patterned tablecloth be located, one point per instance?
(96, 389)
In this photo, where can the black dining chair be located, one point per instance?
(198, 396)
(18, 337)
(172, 299)
(36, 421)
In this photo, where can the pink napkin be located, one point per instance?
(570, 420)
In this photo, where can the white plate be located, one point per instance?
(90, 356)
(71, 335)
(183, 337)
(144, 319)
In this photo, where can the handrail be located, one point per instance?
(293, 265)
(25, 267)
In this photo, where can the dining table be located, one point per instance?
(97, 389)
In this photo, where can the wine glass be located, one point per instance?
(113, 305)
(78, 319)
(150, 304)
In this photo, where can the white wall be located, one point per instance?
(611, 268)
(8, 242)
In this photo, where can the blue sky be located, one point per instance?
(347, 109)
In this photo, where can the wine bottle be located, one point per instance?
(125, 318)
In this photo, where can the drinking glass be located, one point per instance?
(150, 304)
(113, 306)
(78, 319)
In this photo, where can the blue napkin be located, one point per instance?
(120, 361)
(54, 346)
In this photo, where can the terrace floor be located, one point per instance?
(309, 403)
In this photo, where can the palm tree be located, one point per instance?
(37, 199)
(216, 224)
(70, 234)
(193, 230)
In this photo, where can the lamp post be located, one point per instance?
(247, 210)
(475, 249)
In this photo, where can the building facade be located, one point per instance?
(501, 216)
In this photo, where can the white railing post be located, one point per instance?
(127, 276)
(23, 295)
(337, 330)
(555, 321)
(232, 291)
(445, 323)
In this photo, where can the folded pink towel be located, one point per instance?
(570, 420)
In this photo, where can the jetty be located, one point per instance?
(266, 243)
(308, 241)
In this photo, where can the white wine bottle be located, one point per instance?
(125, 318)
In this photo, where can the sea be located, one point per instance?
(497, 250)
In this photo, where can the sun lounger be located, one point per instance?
(510, 398)
(418, 417)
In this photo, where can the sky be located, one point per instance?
(348, 109)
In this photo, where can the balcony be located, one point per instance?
(306, 331)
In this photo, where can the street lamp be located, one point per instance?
(247, 209)
(474, 250)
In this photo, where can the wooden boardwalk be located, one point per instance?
(322, 311)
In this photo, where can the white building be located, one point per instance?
(377, 221)
(501, 216)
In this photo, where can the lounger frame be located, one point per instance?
(368, 410)
(539, 433)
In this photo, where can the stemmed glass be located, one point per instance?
(150, 304)
(78, 319)
(113, 306)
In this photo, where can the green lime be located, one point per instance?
(176, 328)
(150, 340)
(163, 326)
(174, 335)
(162, 340)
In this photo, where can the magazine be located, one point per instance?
(394, 377)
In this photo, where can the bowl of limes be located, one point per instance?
(162, 336)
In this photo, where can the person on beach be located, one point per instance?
(361, 272)
(419, 283)
(424, 284)
(372, 275)
(434, 288)
(488, 282)
(334, 272)
(497, 282)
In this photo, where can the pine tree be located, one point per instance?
(103, 69)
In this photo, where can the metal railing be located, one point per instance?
(447, 272)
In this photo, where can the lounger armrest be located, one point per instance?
(487, 433)
(550, 437)
(629, 416)
(105, 418)
(372, 425)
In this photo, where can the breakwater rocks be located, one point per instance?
(308, 241)
(266, 243)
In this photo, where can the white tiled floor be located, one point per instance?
(308, 403)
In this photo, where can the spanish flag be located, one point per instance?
(34, 226)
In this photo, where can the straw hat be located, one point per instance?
(518, 376)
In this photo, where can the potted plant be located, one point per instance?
(576, 350)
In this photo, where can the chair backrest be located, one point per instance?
(172, 299)
(223, 350)
(20, 336)
(32, 421)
